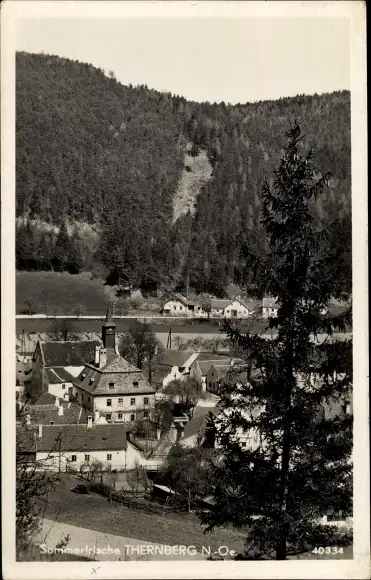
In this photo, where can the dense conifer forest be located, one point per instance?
(92, 151)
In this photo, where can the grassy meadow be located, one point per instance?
(60, 293)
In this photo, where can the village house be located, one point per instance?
(270, 307)
(71, 447)
(172, 365)
(50, 410)
(57, 363)
(194, 433)
(219, 374)
(177, 305)
(235, 308)
(203, 363)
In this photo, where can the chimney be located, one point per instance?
(96, 416)
(102, 357)
(96, 359)
(90, 421)
(56, 401)
(40, 431)
(28, 419)
(60, 410)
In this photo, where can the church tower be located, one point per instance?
(109, 330)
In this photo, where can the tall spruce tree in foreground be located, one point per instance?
(297, 466)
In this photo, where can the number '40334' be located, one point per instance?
(328, 550)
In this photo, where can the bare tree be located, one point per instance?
(63, 329)
(140, 345)
(79, 310)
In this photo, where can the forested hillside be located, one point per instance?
(92, 150)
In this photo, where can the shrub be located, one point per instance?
(101, 488)
(81, 488)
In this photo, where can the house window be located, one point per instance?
(121, 402)
(17, 382)
(119, 416)
(132, 417)
(132, 401)
(73, 458)
(146, 400)
(87, 457)
(109, 403)
(135, 383)
(210, 386)
(109, 456)
(108, 416)
(111, 385)
(180, 307)
(145, 414)
(243, 443)
(63, 386)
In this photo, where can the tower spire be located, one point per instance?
(109, 329)
(109, 314)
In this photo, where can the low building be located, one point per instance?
(59, 381)
(56, 360)
(69, 447)
(172, 365)
(55, 412)
(175, 304)
(205, 361)
(225, 372)
(270, 307)
(195, 431)
(235, 308)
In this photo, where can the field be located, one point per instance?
(98, 514)
(60, 293)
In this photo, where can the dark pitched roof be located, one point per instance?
(173, 358)
(158, 375)
(248, 303)
(219, 370)
(77, 438)
(114, 378)
(198, 423)
(220, 303)
(208, 356)
(72, 414)
(45, 399)
(171, 295)
(69, 353)
(205, 366)
(56, 375)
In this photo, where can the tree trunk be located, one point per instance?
(281, 549)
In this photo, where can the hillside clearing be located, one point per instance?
(196, 172)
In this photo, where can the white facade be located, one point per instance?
(237, 310)
(60, 390)
(123, 407)
(270, 311)
(121, 460)
(175, 307)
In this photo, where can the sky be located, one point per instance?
(204, 59)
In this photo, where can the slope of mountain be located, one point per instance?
(92, 150)
(196, 173)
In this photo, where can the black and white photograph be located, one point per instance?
(184, 290)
